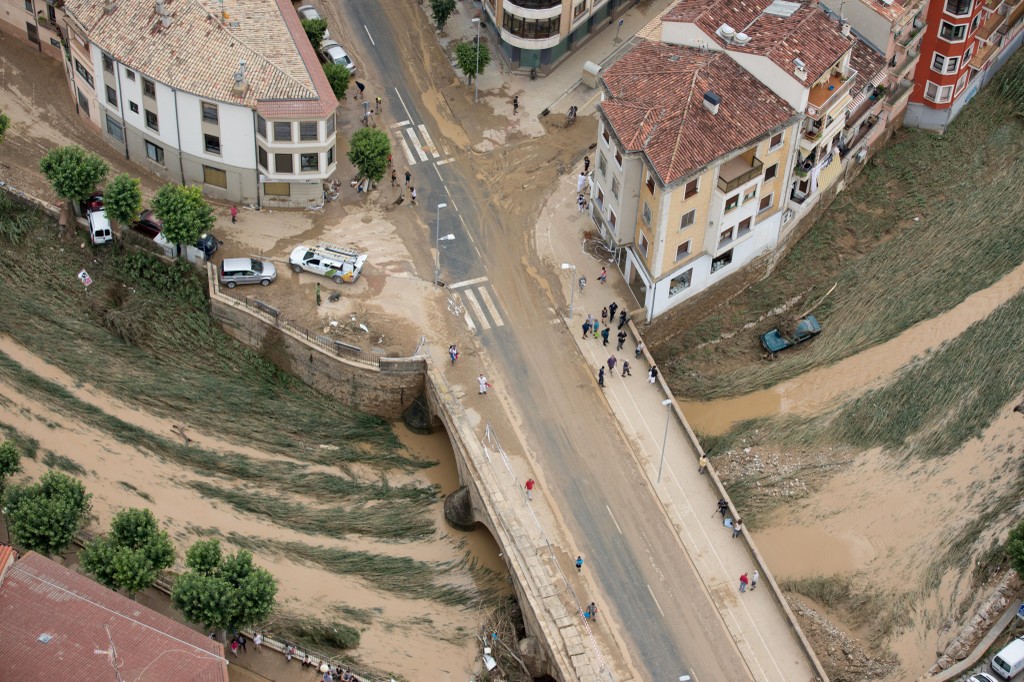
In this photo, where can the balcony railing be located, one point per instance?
(823, 97)
(911, 34)
(738, 172)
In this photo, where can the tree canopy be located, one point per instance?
(10, 462)
(122, 199)
(45, 516)
(5, 124)
(223, 592)
(132, 555)
(466, 58)
(1015, 548)
(441, 10)
(338, 76)
(73, 172)
(369, 150)
(315, 30)
(184, 212)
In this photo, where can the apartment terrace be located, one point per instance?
(738, 171)
(825, 95)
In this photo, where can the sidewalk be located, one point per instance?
(770, 647)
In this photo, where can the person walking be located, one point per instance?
(389, 160)
(482, 380)
(611, 365)
(605, 333)
(604, 315)
(529, 488)
(597, 326)
(586, 164)
(600, 376)
(361, 88)
(412, 195)
(234, 646)
(581, 203)
(318, 295)
(603, 277)
(242, 641)
(592, 608)
(702, 464)
(723, 507)
(394, 177)
(652, 376)
(611, 310)
(579, 563)
(623, 316)
(378, 103)
(234, 214)
(625, 369)
(639, 350)
(453, 353)
(743, 583)
(257, 641)
(622, 340)
(408, 177)
(515, 105)
(737, 527)
(582, 283)
(753, 580)
(581, 182)
(586, 328)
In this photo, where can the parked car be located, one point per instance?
(309, 12)
(148, 224)
(807, 328)
(981, 677)
(207, 244)
(340, 263)
(93, 203)
(100, 231)
(333, 52)
(234, 271)
(1010, 659)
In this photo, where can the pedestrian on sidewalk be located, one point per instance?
(317, 295)
(529, 488)
(257, 641)
(723, 507)
(394, 177)
(592, 608)
(625, 369)
(603, 277)
(605, 333)
(611, 310)
(623, 316)
(743, 583)
(586, 328)
(652, 376)
(378, 103)
(453, 353)
(582, 283)
(702, 464)
(412, 195)
(482, 380)
(408, 177)
(361, 88)
(241, 641)
(639, 349)
(753, 580)
(604, 315)
(611, 365)
(597, 325)
(600, 376)
(622, 340)
(515, 105)
(389, 160)
(234, 646)
(737, 527)
(579, 563)
(234, 214)
(581, 182)
(586, 164)
(581, 203)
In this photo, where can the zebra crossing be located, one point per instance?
(417, 145)
(479, 310)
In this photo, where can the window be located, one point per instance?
(578, 10)
(152, 121)
(687, 219)
(726, 236)
(114, 128)
(209, 112)
(743, 228)
(647, 213)
(130, 74)
(83, 73)
(720, 262)
(111, 96)
(283, 163)
(28, 5)
(775, 142)
(944, 64)
(600, 197)
(642, 244)
(680, 282)
(307, 131)
(958, 8)
(212, 144)
(683, 250)
(261, 126)
(968, 54)
(937, 93)
(615, 187)
(277, 189)
(952, 33)
(604, 134)
(330, 126)
(750, 195)
(618, 158)
(612, 219)
(960, 84)
(134, 107)
(154, 153)
(975, 22)
(51, 13)
(650, 182)
(531, 28)
(330, 157)
(691, 188)
(309, 162)
(261, 155)
(282, 131)
(148, 88)
(772, 171)
(108, 63)
(602, 164)
(215, 177)
(83, 101)
(732, 202)
(55, 42)
(765, 203)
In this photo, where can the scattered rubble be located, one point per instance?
(844, 659)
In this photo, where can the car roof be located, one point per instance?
(237, 263)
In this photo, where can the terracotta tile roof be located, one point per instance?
(806, 34)
(868, 63)
(39, 597)
(655, 106)
(198, 54)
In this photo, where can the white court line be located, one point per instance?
(430, 143)
(471, 299)
(369, 36)
(405, 148)
(609, 508)
(411, 132)
(402, 102)
(467, 282)
(448, 160)
(400, 124)
(498, 322)
(655, 601)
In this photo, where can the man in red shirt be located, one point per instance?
(529, 488)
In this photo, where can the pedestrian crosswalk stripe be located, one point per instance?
(467, 282)
(441, 163)
(430, 142)
(498, 322)
(405, 148)
(414, 143)
(469, 323)
(471, 300)
(400, 124)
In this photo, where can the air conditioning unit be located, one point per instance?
(887, 2)
(741, 39)
(726, 31)
(862, 155)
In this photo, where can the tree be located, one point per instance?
(131, 557)
(73, 172)
(1015, 548)
(5, 124)
(315, 30)
(45, 516)
(338, 77)
(10, 461)
(122, 199)
(441, 10)
(223, 592)
(368, 151)
(184, 211)
(466, 58)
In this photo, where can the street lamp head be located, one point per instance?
(476, 20)
(568, 266)
(667, 402)
(440, 206)
(447, 237)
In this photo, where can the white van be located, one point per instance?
(1010, 660)
(99, 227)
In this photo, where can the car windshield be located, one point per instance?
(256, 266)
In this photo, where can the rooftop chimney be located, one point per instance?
(801, 69)
(241, 86)
(845, 30)
(711, 102)
(109, 6)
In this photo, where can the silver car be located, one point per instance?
(333, 52)
(235, 271)
(309, 12)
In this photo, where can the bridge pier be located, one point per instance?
(458, 510)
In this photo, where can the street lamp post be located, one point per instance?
(664, 439)
(572, 287)
(476, 74)
(437, 245)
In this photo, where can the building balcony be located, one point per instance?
(904, 67)
(824, 96)
(901, 91)
(911, 35)
(737, 172)
(533, 9)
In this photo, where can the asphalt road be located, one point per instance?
(652, 591)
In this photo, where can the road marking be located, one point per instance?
(655, 601)
(448, 160)
(400, 124)
(369, 36)
(467, 282)
(402, 102)
(430, 142)
(498, 322)
(415, 143)
(471, 299)
(405, 148)
(609, 508)
(469, 322)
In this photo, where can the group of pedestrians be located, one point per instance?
(602, 329)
